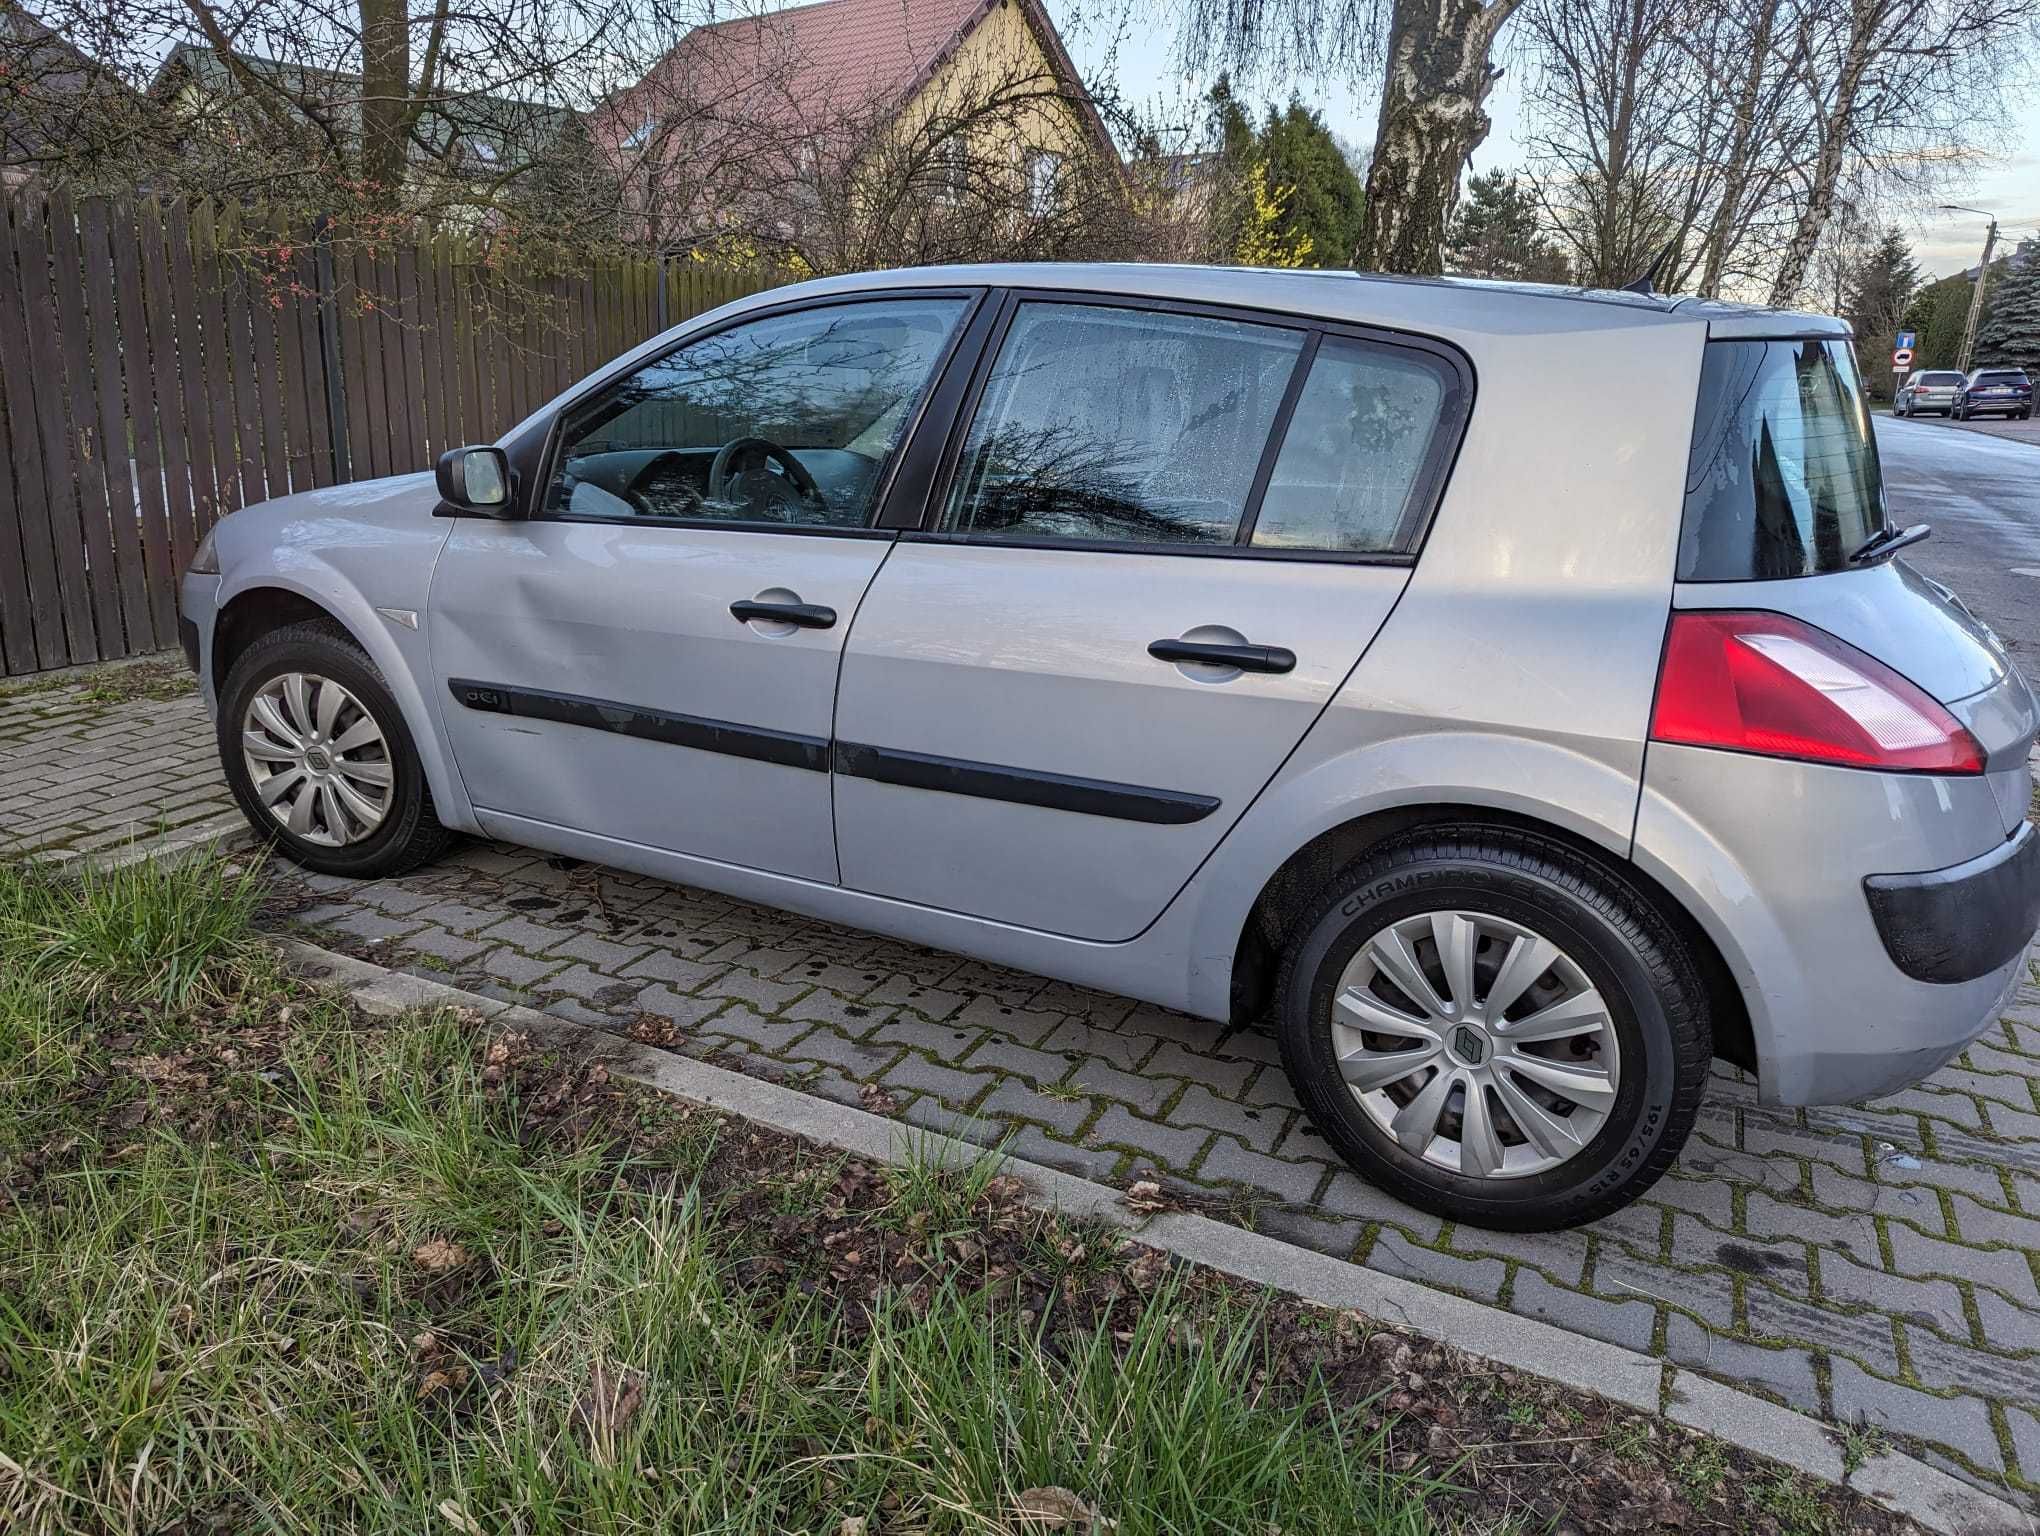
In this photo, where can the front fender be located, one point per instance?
(1538, 779)
(366, 576)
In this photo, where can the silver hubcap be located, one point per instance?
(1477, 1043)
(317, 759)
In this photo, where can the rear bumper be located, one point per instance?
(1774, 860)
(1956, 924)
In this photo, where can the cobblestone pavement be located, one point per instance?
(1874, 1264)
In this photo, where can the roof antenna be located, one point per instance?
(1648, 282)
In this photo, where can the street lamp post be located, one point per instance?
(1962, 361)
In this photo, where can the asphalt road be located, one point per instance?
(1982, 494)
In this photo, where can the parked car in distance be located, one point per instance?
(1248, 643)
(1995, 392)
(1928, 390)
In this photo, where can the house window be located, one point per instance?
(1043, 169)
(952, 169)
(639, 136)
(480, 150)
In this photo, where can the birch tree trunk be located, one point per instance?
(1738, 163)
(1835, 131)
(1433, 116)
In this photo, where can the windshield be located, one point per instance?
(1783, 478)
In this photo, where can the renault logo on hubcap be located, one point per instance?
(1469, 1045)
(317, 761)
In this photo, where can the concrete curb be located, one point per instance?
(229, 827)
(1901, 1483)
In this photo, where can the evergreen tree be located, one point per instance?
(1324, 196)
(1936, 317)
(1875, 303)
(1496, 234)
(2009, 336)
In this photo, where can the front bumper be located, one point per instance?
(198, 602)
(1956, 924)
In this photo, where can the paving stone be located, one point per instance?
(1976, 1178)
(1032, 1144)
(1224, 1076)
(1639, 1225)
(2025, 1429)
(533, 938)
(1982, 1224)
(1766, 1217)
(856, 1059)
(1768, 1138)
(1271, 1089)
(1136, 1090)
(678, 972)
(2007, 1327)
(1780, 1175)
(366, 923)
(1711, 1198)
(1014, 1098)
(904, 992)
(850, 1018)
(1350, 1196)
(2018, 1124)
(514, 967)
(1001, 1055)
(1786, 1372)
(1942, 1366)
(1933, 1302)
(685, 1010)
(1962, 1422)
(1175, 1146)
(1076, 1037)
(1866, 1335)
(920, 1075)
(937, 1040)
(1698, 1245)
(1710, 1294)
(1628, 1323)
(598, 988)
(1230, 1162)
(1306, 1228)
(766, 1034)
(1394, 1254)
(2007, 1269)
(1101, 1010)
(1247, 1043)
(1925, 1101)
(1260, 1129)
(445, 946)
(391, 897)
(1562, 1255)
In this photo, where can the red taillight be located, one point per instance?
(1765, 683)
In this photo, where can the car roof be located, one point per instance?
(1440, 304)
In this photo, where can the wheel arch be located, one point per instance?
(1289, 892)
(274, 602)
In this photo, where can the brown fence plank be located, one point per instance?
(243, 367)
(293, 378)
(320, 371)
(411, 352)
(447, 299)
(368, 427)
(169, 279)
(123, 505)
(24, 432)
(86, 445)
(432, 352)
(59, 467)
(131, 229)
(471, 429)
(209, 279)
(264, 284)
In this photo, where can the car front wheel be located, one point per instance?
(320, 759)
(1495, 1028)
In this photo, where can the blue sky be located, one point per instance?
(2007, 185)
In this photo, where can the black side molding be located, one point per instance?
(1959, 923)
(1022, 786)
(705, 735)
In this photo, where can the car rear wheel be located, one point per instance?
(1495, 1028)
(320, 759)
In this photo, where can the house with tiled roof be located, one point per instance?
(957, 96)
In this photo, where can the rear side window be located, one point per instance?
(1354, 450)
(1121, 426)
(1783, 479)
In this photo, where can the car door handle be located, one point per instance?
(806, 615)
(1248, 658)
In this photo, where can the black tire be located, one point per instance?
(1655, 1000)
(409, 834)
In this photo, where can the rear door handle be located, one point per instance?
(806, 615)
(1248, 658)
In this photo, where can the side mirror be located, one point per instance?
(475, 480)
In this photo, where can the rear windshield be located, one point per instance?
(2000, 378)
(1783, 479)
(1940, 378)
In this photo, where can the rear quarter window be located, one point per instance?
(1783, 478)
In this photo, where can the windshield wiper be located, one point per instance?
(1888, 540)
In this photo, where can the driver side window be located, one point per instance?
(787, 420)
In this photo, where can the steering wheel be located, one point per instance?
(724, 476)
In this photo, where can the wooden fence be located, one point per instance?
(164, 364)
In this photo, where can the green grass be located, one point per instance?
(304, 1273)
